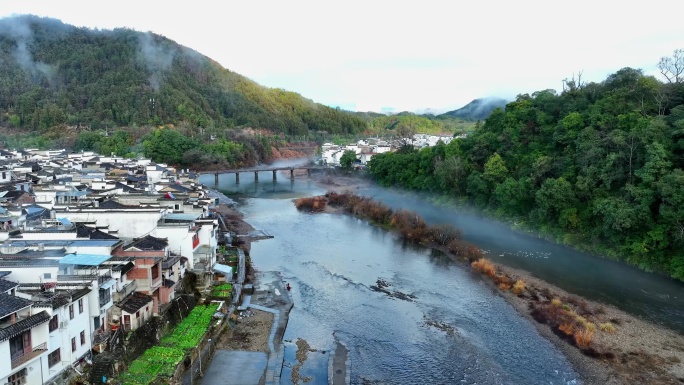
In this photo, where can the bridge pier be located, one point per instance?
(274, 175)
(292, 173)
(237, 178)
(256, 176)
(308, 172)
(216, 179)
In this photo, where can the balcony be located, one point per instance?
(156, 283)
(77, 277)
(126, 290)
(103, 278)
(105, 299)
(20, 358)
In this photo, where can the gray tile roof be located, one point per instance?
(135, 302)
(6, 285)
(10, 304)
(148, 243)
(169, 262)
(23, 325)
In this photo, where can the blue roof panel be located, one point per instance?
(84, 259)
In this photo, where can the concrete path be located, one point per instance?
(338, 366)
(235, 368)
(229, 367)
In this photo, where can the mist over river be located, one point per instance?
(456, 330)
(332, 261)
(651, 296)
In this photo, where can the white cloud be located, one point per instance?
(403, 55)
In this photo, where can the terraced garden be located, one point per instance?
(160, 362)
(224, 290)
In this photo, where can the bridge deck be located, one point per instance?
(263, 169)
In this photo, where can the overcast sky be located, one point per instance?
(377, 55)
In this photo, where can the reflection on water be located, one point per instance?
(333, 261)
(652, 296)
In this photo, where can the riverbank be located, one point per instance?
(637, 352)
(604, 344)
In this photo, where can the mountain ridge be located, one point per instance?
(53, 73)
(477, 109)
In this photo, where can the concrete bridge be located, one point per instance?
(256, 172)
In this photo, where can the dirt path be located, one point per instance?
(251, 332)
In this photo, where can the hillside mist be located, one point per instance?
(55, 74)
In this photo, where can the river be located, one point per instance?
(651, 296)
(452, 329)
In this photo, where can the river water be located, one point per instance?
(455, 330)
(452, 329)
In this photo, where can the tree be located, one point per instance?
(495, 170)
(673, 67)
(347, 159)
(445, 234)
(168, 146)
(406, 132)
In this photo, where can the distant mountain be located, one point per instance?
(478, 109)
(54, 74)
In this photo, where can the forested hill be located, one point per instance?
(599, 166)
(53, 74)
(478, 109)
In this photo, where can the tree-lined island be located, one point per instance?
(598, 166)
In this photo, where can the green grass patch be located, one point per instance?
(161, 361)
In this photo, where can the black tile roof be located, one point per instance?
(135, 302)
(133, 178)
(177, 187)
(23, 325)
(99, 234)
(83, 231)
(14, 194)
(10, 304)
(78, 293)
(34, 166)
(110, 204)
(6, 285)
(126, 188)
(168, 283)
(55, 302)
(124, 268)
(148, 243)
(169, 262)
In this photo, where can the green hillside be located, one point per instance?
(599, 166)
(478, 109)
(406, 122)
(53, 74)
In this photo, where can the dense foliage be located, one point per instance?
(599, 166)
(165, 145)
(478, 109)
(53, 74)
(406, 124)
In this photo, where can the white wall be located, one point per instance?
(97, 250)
(24, 274)
(5, 360)
(48, 235)
(129, 224)
(60, 338)
(33, 367)
(145, 314)
(180, 240)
